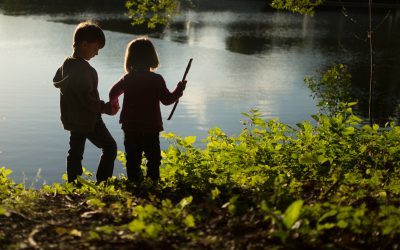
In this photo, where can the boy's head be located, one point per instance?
(88, 39)
(141, 55)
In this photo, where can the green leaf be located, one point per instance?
(325, 226)
(185, 201)
(327, 215)
(215, 193)
(168, 135)
(4, 211)
(153, 230)
(136, 226)
(307, 158)
(95, 203)
(75, 232)
(190, 140)
(93, 236)
(321, 159)
(292, 213)
(189, 221)
(348, 131)
(342, 224)
(105, 229)
(350, 104)
(86, 183)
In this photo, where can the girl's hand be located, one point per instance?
(182, 85)
(114, 106)
(114, 109)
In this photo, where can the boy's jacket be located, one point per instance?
(80, 103)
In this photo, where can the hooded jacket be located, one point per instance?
(80, 104)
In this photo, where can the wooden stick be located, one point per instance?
(183, 79)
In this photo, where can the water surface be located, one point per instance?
(242, 60)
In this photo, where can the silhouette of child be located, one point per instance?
(140, 115)
(80, 104)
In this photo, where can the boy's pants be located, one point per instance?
(137, 143)
(101, 138)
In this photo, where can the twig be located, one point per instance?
(31, 239)
(383, 20)
(23, 216)
(345, 13)
(37, 221)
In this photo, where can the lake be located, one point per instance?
(244, 58)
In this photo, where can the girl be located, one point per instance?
(141, 116)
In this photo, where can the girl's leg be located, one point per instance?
(133, 154)
(151, 146)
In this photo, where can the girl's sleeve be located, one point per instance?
(166, 97)
(116, 91)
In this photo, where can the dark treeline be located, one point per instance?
(15, 7)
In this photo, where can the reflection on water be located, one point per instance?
(242, 60)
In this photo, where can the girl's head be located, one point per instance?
(141, 55)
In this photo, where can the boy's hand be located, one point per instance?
(182, 85)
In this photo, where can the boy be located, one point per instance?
(80, 104)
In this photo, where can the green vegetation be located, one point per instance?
(305, 7)
(151, 12)
(332, 90)
(330, 184)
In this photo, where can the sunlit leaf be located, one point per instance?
(190, 140)
(75, 232)
(136, 226)
(189, 221)
(95, 203)
(292, 213)
(153, 230)
(185, 202)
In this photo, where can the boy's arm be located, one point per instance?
(88, 95)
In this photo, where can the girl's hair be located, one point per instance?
(141, 55)
(90, 32)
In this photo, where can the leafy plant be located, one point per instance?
(151, 12)
(297, 6)
(333, 90)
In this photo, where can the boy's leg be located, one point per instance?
(151, 145)
(102, 138)
(133, 154)
(75, 155)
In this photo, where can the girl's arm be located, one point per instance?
(115, 92)
(168, 98)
